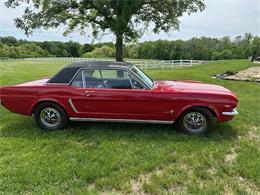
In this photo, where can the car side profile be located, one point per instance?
(119, 92)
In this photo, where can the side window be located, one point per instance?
(96, 74)
(93, 78)
(77, 81)
(135, 84)
(114, 74)
(114, 79)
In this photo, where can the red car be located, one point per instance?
(119, 92)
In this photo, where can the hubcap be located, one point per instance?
(50, 117)
(194, 121)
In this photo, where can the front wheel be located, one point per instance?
(50, 116)
(196, 121)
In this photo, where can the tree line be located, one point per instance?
(204, 48)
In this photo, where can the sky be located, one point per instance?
(220, 18)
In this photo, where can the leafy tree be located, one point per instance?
(55, 48)
(10, 41)
(203, 48)
(87, 48)
(103, 51)
(126, 19)
(73, 48)
(109, 44)
(22, 51)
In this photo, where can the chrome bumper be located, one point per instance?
(234, 112)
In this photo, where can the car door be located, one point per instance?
(116, 94)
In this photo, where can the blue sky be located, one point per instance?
(220, 18)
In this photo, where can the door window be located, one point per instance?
(77, 81)
(113, 79)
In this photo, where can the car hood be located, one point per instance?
(192, 86)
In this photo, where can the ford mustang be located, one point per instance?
(119, 92)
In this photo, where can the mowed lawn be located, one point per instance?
(90, 158)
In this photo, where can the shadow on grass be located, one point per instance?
(26, 128)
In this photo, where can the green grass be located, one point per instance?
(115, 158)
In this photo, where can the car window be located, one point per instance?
(114, 74)
(113, 79)
(146, 79)
(77, 81)
(135, 84)
(96, 74)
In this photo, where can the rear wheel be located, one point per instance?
(196, 121)
(50, 116)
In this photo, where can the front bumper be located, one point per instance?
(234, 112)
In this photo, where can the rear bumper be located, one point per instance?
(234, 112)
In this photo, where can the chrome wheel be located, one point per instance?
(50, 117)
(195, 122)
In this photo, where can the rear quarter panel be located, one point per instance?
(19, 99)
(22, 99)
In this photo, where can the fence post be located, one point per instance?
(191, 62)
(172, 64)
(181, 62)
(145, 65)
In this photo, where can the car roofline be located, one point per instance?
(71, 69)
(101, 64)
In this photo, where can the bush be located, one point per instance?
(104, 51)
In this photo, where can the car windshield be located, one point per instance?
(146, 79)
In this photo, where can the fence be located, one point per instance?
(144, 64)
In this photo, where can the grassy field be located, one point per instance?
(89, 158)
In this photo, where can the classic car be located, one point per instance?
(119, 92)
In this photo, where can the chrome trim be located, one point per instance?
(83, 78)
(56, 83)
(171, 112)
(234, 112)
(121, 120)
(73, 106)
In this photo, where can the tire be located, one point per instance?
(188, 124)
(50, 116)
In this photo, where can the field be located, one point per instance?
(111, 158)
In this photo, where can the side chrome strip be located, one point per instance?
(73, 106)
(234, 112)
(121, 120)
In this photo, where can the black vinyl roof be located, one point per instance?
(101, 64)
(66, 74)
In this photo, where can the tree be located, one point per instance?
(74, 49)
(104, 51)
(10, 41)
(126, 19)
(87, 48)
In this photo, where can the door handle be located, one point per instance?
(88, 93)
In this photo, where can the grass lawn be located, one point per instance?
(116, 158)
